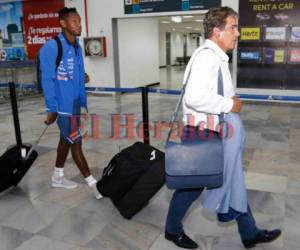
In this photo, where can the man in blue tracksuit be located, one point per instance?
(64, 91)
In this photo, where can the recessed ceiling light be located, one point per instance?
(165, 22)
(188, 27)
(173, 29)
(199, 21)
(188, 16)
(197, 29)
(176, 19)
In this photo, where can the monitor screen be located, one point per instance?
(275, 33)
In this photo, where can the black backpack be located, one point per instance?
(58, 59)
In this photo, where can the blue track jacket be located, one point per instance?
(64, 88)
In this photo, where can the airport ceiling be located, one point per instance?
(187, 24)
(183, 24)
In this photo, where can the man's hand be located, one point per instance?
(86, 78)
(51, 117)
(237, 105)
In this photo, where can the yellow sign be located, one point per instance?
(274, 6)
(250, 34)
(135, 1)
(279, 56)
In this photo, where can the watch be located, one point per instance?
(93, 47)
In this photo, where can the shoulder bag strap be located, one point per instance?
(220, 92)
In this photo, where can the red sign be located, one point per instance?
(295, 56)
(40, 23)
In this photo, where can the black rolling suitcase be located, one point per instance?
(132, 177)
(16, 161)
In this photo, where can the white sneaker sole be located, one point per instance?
(59, 185)
(98, 197)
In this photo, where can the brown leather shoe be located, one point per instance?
(262, 237)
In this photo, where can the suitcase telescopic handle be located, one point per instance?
(33, 147)
(14, 107)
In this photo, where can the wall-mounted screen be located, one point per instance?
(294, 55)
(295, 34)
(274, 55)
(151, 6)
(250, 55)
(250, 34)
(275, 33)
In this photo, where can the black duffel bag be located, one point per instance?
(132, 177)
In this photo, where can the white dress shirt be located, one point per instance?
(201, 103)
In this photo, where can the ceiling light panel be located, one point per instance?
(176, 19)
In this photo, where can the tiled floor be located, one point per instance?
(35, 216)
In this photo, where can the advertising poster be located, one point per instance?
(40, 23)
(295, 34)
(11, 32)
(272, 55)
(250, 34)
(275, 33)
(270, 29)
(294, 55)
(148, 6)
(250, 55)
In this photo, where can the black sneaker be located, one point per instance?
(262, 237)
(181, 240)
